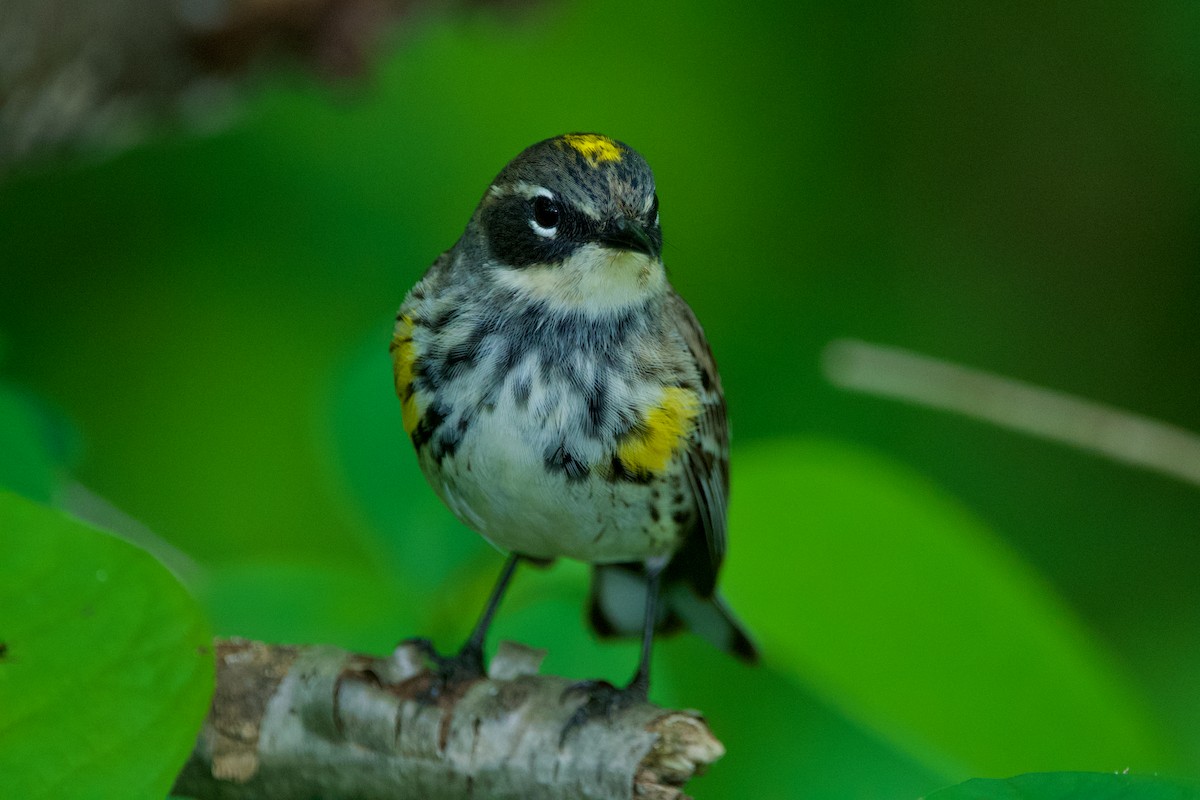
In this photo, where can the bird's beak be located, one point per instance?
(627, 234)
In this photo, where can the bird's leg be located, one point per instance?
(471, 653)
(467, 664)
(604, 699)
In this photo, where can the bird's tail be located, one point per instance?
(618, 601)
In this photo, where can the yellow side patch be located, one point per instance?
(596, 149)
(665, 429)
(403, 357)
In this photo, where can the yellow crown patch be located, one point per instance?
(595, 149)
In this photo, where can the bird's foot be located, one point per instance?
(449, 674)
(604, 701)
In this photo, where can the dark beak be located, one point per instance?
(627, 234)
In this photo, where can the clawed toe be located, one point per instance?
(449, 673)
(422, 645)
(604, 701)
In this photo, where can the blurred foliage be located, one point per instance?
(1014, 189)
(1070, 786)
(874, 553)
(27, 467)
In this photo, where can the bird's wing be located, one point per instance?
(707, 459)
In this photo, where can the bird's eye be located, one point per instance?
(545, 215)
(652, 214)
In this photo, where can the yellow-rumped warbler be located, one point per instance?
(563, 400)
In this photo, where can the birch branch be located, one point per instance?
(321, 722)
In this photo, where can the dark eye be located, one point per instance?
(545, 214)
(652, 214)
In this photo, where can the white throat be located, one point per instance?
(594, 280)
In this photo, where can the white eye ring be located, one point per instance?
(654, 205)
(547, 231)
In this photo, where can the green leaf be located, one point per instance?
(1070, 786)
(892, 600)
(107, 668)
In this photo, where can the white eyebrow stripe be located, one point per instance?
(520, 189)
(531, 190)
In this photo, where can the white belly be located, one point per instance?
(497, 483)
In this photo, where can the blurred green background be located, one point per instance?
(1014, 189)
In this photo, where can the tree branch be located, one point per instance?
(318, 721)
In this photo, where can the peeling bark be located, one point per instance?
(321, 722)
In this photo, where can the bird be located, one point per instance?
(563, 402)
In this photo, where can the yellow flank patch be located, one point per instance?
(403, 358)
(593, 147)
(664, 430)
